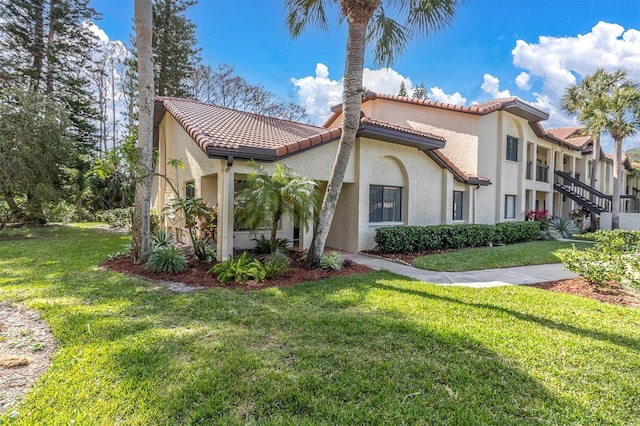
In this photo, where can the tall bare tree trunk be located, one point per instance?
(351, 107)
(615, 199)
(141, 220)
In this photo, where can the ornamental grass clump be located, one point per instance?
(168, 259)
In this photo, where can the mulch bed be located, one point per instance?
(610, 292)
(196, 274)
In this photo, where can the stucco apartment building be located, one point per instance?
(414, 162)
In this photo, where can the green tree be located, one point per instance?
(403, 90)
(175, 55)
(366, 21)
(577, 100)
(141, 231)
(46, 46)
(267, 198)
(35, 151)
(420, 92)
(618, 113)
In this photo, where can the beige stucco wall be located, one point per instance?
(422, 181)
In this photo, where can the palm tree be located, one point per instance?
(367, 21)
(618, 113)
(268, 198)
(141, 216)
(578, 99)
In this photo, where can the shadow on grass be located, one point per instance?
(616, 339)
(315, 353)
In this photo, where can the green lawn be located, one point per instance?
(376, 349)
(522, 254)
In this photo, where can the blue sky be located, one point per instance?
(528, 48)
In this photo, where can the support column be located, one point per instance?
(225, 213)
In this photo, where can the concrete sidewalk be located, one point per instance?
(484, 278)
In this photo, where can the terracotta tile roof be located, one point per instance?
(513, 104)
(444, 162)
(403, 129)
(223, 128)
(564, 132)
(626, 161)
(572, 136)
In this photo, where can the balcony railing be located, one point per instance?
(542, 173)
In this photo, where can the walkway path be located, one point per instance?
(483, 278)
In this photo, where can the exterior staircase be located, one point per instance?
(584, 195)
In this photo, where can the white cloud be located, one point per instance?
(491, 85)
(319, 93)
(438, 95)
(523, 81)
(561, 61)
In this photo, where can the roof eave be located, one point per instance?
(399, 137)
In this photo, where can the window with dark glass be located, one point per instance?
(512, 148)
(509, 206)
(458, 199)
(385, 203)
(190, 190)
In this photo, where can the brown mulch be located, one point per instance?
(610, 292)
(196, 274)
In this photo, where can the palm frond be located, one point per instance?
(301, 13)
(389, 37)
(428, 16)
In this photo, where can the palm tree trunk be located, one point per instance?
(274, 232)
(615, 199)
(595, 158)
(141, 215)
(352, 104)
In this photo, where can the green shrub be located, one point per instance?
(276, 264)
(516, 232)
(562, 227)
(168, 259)
(119, 218)
(397, 239)
(203, 249)
(154, 218)
(161, 239)
(615, 257)
(263, 245)
(239, 270)
(331, 261)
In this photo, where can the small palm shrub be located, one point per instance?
(240, 270)
(333, 261)
(276, 264)
(263, 245)
(560, 227)
(167, 259)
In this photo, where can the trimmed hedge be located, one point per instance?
(516, 232)
(398, 239)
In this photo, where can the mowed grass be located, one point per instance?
(522, 254)
(373, 349)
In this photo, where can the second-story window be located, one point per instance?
(512, 148)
